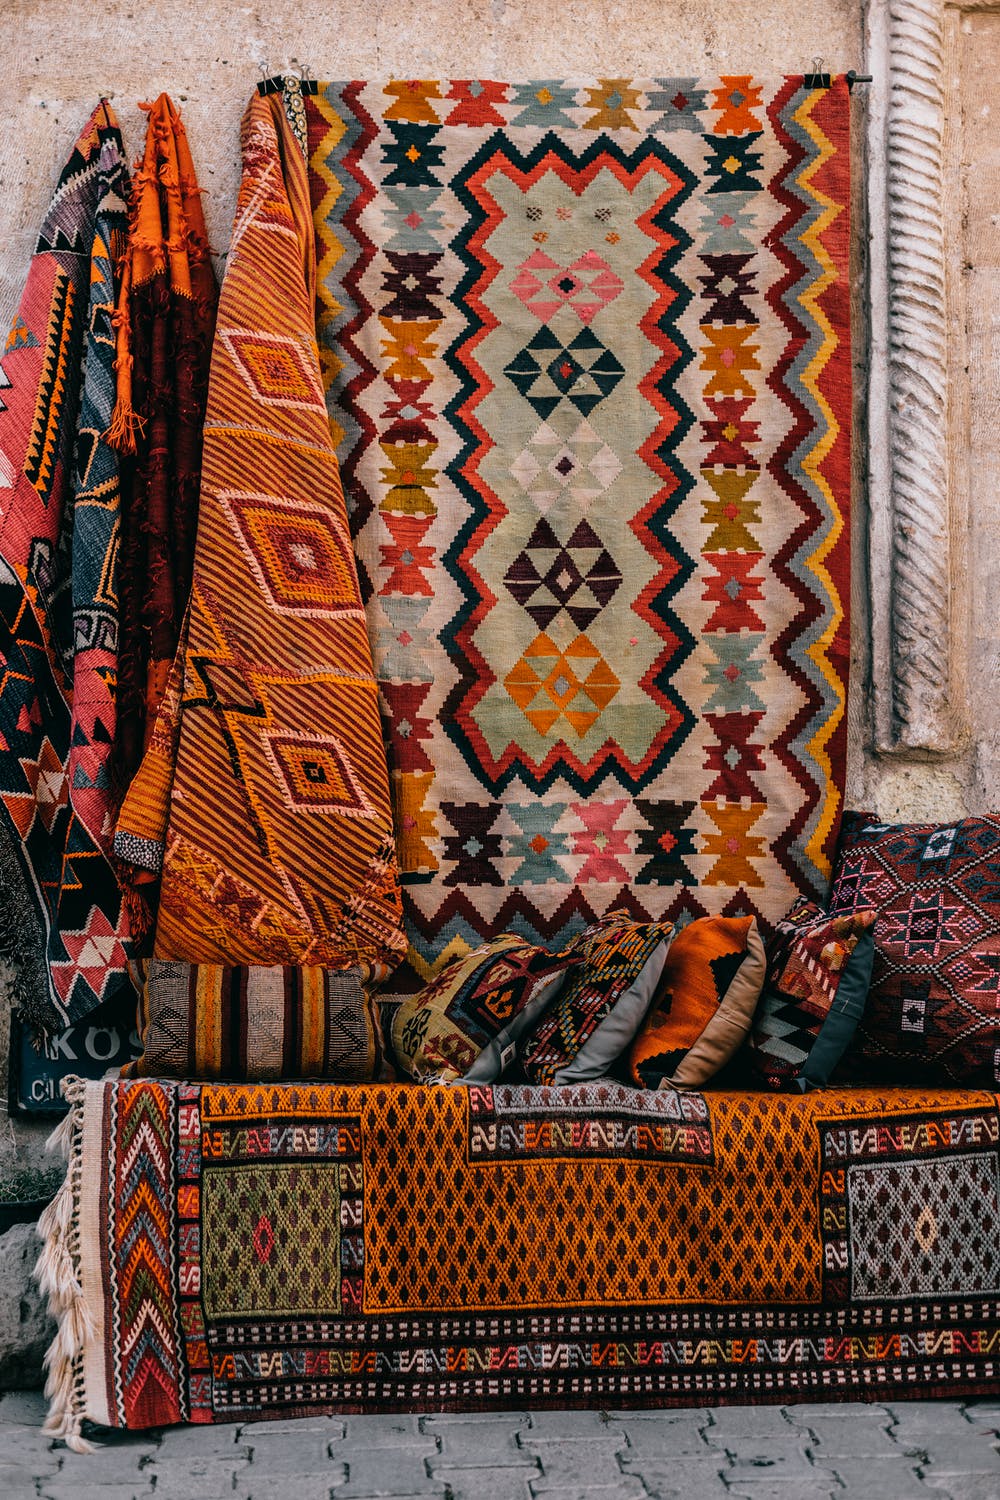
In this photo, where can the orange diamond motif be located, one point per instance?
(276, 369)
(316, 775)
(297, 552)
(548, 684)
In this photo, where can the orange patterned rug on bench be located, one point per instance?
(224, 1252)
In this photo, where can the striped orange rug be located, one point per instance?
(263, 797)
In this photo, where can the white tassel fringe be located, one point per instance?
(58, 1274)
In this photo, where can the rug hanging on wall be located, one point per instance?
(587, 359)
(165, 320)
(63, 929)
(263, 796)
(222, 1253)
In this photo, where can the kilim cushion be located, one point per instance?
(256, 1024)
(602, 1004)
(932, 1014)
(704, 1003)
(466, 1022)
(818, 972)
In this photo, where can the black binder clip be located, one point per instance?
(817, 79)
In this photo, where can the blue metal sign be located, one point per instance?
(101, 1043)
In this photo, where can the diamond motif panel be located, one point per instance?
(582, 371)
(565, 457)
(298, 553)
(548, 577)
(276, 369)
(576, 684)
(586, 286)
(925, 1228)
(272, 1240)
(316, 775)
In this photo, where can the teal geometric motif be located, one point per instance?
(536, 844)
(544, 103)
(680, 100)
(731, 674)
(725, 218)
(583, 371)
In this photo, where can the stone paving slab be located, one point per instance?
(941, 1450)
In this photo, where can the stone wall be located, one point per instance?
(60, 59)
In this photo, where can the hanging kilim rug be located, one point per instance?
(264, 794)
(587, 358)
(62, 926)
(226, 1252)
(165, 321)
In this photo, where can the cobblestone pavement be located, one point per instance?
(942, 1450)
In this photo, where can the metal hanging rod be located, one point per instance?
(274, 83)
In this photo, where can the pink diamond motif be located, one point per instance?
(586, 286)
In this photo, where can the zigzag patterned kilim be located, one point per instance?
(264, 792)
(258, 1250)
(587, 358)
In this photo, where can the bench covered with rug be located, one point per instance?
(224, 1252)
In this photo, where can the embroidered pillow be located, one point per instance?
(704, 1003)
(616, 965)
(932, 1015)
(465, 1023)
(255, 1023)
(819, 969)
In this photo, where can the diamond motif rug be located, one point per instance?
(225, 1252)
(263, 795)
(587, 358)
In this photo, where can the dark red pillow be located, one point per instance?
(933, 1013)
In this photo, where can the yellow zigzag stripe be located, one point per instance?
(458, 947)
(329, 308)
(813, 463)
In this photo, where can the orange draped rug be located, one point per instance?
(263, 796)
(165, 319)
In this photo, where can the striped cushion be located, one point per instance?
(256, 1024)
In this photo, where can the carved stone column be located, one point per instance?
(910, 545)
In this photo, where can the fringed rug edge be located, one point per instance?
(58, 1272)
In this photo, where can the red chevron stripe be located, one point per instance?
(781, 467)
(143, 1280)
(361, 501)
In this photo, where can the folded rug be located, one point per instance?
(264, 794)
(222, 1253)
(587, 348)
(165, 320)
(62, 926)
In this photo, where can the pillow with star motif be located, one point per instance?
(616, 966)
(933, 1011)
